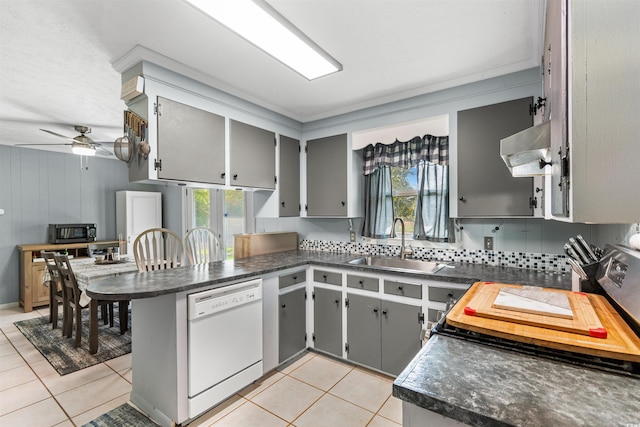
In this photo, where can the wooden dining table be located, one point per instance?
(88, 270)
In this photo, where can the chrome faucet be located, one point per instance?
(403, 251)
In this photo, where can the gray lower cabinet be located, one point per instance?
(291, 323)
(327, 176)
(190, 143)
(252, 156)
(382, 334)
(289, 177)
(485, 185)
(327, 320)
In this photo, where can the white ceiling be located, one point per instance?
(56, 56)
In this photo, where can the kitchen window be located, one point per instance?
(226, 212)
(408, 180)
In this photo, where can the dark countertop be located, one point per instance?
(152, 284)
(481, 385)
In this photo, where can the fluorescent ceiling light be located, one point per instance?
(260, 24)
(83, 150)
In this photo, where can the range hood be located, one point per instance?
(525, 152)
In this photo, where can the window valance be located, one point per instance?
(429, 148)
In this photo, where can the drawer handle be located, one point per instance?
(295, 277)
(361, 283)
(400, 288)
(324, 276)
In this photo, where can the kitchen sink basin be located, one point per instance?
(399, 264)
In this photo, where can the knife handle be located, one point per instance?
(576, 247)
(570, 252)
(587, 247)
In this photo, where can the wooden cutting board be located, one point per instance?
(621, 342)
(582, 318)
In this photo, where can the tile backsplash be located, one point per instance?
(532, 261)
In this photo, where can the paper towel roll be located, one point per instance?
(634, 241)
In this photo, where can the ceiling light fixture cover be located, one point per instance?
(260, 24)
(83, 150)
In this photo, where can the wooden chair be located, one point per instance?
(73, 299)
(157, 249)
(202, 246)
(57, 292)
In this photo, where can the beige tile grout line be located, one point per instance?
(39, 379)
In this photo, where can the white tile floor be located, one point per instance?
(315, 390)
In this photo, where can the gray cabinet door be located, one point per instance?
(190, 143)
(327, 320)
(327, 176)
(291, 323)
(363, 330)
(400, 335)
(253, 156)
(485, 186)
(289, 177)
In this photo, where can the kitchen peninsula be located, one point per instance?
(165, 294)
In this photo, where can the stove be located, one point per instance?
(616, 279)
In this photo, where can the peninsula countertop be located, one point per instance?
(148, 285)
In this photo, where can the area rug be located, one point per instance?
(123, 416)
(60, 351)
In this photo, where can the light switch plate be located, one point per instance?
(352, 236)
(488, 243)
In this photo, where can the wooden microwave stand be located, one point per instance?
(33, 293)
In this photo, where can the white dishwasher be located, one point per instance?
(224, 342)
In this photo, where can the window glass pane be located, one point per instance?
(233, 218)
(201, 208)
(405, 191)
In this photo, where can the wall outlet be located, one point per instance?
(488, 243)
(352, 236)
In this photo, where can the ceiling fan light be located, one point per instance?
(83, 150)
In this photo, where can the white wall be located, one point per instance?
(41, 187)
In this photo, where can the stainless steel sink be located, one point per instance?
(399, 264)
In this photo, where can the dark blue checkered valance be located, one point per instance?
(429, 148)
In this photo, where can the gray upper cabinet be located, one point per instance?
(190, 143)
(252, 156)
(485, 186)
(327, 176)
(289, 177)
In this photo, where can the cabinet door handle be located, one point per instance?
(282, 204)
(462, 199)
(375, 310)
(384, 312)
(343, 203)
(235, 176)
(338, 301)
(284, 305)
(222, 175)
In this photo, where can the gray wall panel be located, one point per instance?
(40, 187)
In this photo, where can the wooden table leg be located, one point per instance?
(123, 315)
(93, 326)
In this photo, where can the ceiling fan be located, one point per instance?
(81, 144)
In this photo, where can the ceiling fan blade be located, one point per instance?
(104, 151)
(57, 134)
(44, 145)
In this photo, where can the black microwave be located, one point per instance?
(72, 233)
